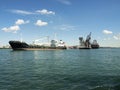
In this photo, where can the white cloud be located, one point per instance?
(21, 21)
(66, 2)
(45, 12)
(13, 29)
(117, 37)
(22, 12)
(41, 23)
(107, 39)
(107, 32)
(42, 12)
(65, 27)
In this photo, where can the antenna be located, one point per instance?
(48, 39)
(55, 37)
(21, 37)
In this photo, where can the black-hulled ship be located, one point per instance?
(94, 44)
(86, 44)
(53, 45)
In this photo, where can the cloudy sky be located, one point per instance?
(68, 19)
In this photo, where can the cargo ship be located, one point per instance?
(36, 45)
(86, 44)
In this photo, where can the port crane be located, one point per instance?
(87, 41)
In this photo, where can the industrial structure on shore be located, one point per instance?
(86, 44)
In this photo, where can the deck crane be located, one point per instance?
(42, 41)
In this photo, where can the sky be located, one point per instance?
(67, 19)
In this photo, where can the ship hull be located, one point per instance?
(95, 46)
(17, 45)
(92, 47)
(38, 48)
(85, 48)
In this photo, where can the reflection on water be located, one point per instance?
(36, 55)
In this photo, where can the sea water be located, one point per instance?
(95, 69)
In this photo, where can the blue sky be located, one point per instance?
(69, 19)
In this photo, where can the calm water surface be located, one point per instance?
(97, 69)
